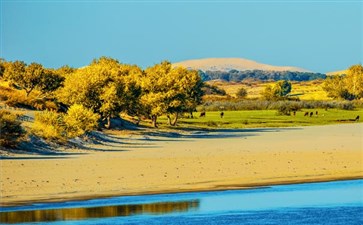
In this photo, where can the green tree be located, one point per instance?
(279, 91)
(282, 88)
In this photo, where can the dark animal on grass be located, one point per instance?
(357, 118)
(311, 114)
(222, 114)
(316, 113)
(202, 114)
(306, 114)
(294, 112)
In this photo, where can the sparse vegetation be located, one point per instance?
(77, 101)
(11, 130)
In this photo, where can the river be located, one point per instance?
(338, 202)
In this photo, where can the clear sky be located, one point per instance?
(320, 36)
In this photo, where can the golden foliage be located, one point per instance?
(79, 120)
(58, 126)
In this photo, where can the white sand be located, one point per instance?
(141, 164)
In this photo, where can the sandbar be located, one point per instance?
(161, 162)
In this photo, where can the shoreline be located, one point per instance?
(158, 163)
(216, 189)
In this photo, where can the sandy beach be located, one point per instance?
(157, 162)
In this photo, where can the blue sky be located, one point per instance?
(320, 36)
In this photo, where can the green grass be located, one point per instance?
(266, 118)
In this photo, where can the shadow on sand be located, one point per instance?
(146, 138)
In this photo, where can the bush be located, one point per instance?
(11, 131)
(241, 93)
(80, 120)
(285, 108)
(60, 126)
(49, 125)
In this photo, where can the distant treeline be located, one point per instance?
(236, 76)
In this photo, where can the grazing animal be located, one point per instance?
(316, 113)
(202, 114)
(222, 114)
(357, 118)
(311, 114)
(306, 114)
(294, 112)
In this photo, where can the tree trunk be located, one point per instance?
(108, 125)
(175, 119)
(169, 120)
(153, 119)
(138, 121)
(28, 91)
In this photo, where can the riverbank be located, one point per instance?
(156, 162)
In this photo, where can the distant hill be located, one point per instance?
(227, 64)
(337, 72)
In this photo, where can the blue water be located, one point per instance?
(339, 202)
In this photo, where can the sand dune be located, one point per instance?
(227, 64)
(170, 162)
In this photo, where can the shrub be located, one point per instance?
(60, 126)
(80, 120)
(49, 125)
(241, 93)
(11, 131)
(285, 108)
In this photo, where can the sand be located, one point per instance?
(156, 162)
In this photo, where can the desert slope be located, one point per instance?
(227, 64)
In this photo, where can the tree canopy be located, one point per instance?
(346, 87)
(280, 90)
(33, 76)
(106, 86)
(168, 90)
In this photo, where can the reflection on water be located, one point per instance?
(312, 203)
(97, 212)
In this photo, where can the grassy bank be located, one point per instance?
(266, 118)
